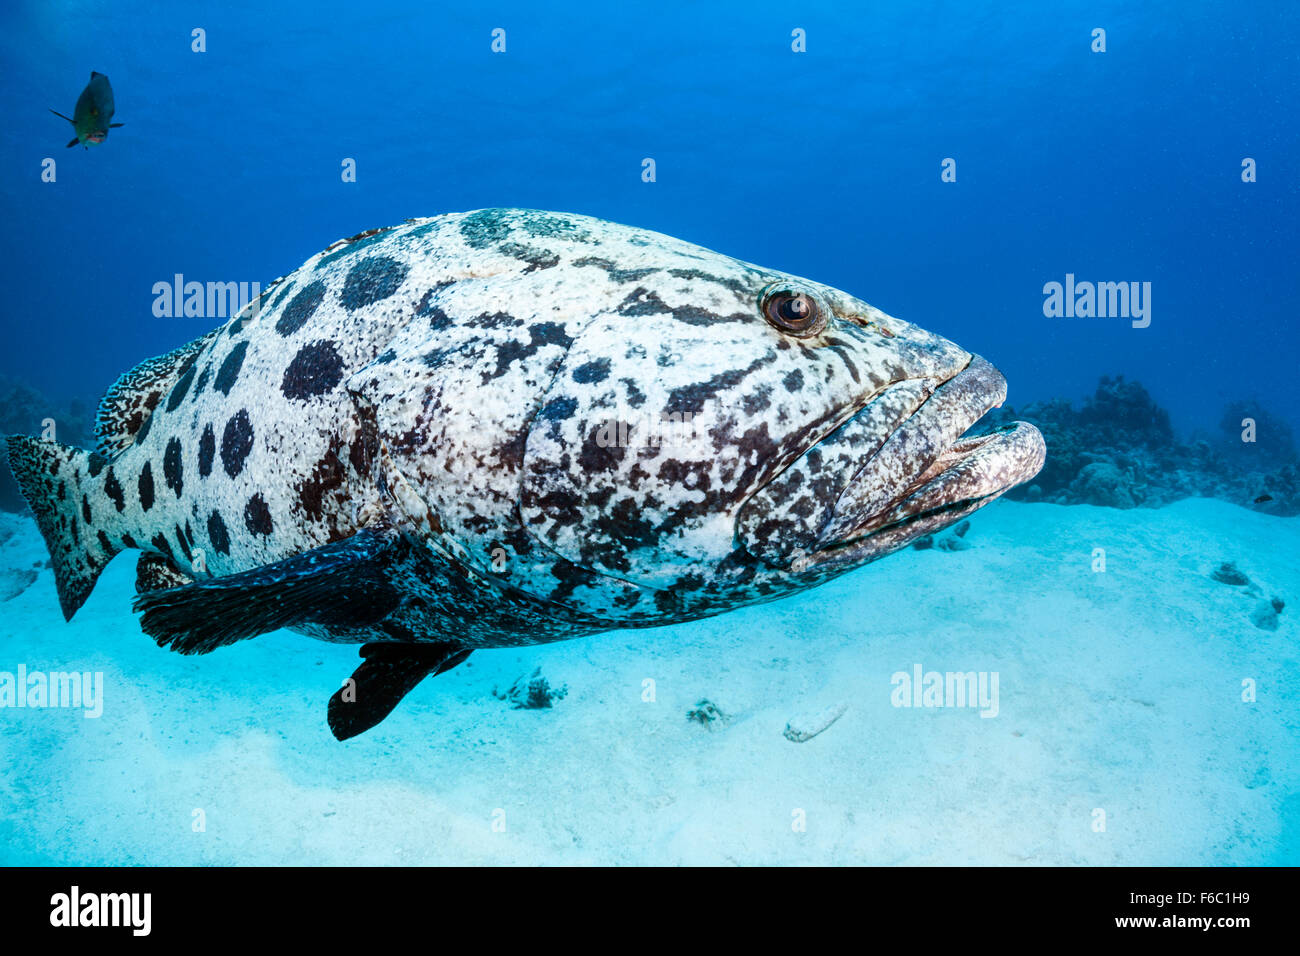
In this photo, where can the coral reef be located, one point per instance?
(706, 712)
(1264, 614)
(953, 539)
(531, 692)
(1120, 451)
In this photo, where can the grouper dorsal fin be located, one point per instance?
(129, 401)
(345, 585)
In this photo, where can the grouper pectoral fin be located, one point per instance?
(74, 142)
(388, 673)
(115, 125)
(344, 584)
(61, 116)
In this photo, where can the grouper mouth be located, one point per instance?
(900, 468)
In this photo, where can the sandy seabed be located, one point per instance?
(1121, 734)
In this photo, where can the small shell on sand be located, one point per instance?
(805, 727)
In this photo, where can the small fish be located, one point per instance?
(1263, 498)
(94, 110)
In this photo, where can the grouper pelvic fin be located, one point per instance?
(387, 674)
(157, 572)
(344, 584)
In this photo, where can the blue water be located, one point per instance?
(1117, 166)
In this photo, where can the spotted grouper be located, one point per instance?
(510, 427)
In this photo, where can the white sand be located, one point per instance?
(1118, 691)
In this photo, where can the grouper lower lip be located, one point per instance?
(929, 473)
(902, 467)
(968, 475)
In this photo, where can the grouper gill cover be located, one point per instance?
(510, 427)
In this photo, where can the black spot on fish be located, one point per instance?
(641, 301)
(113, 488)
(315, 370)
(667, 602)
(160, 542)
(558, 408)
(63, 490)
(204, 377)
(615, 273)
(326, 477)
(438, 319)
(627, 599)
(182, 540)
(541, 226)
(96, 464)
(172, 471)
(843, 350)
(571, 577)
(793, 381)
(536, 258)
(236, 443)
(635, 397)
(257, 516)
(146, 486)
(597, 370)
(230, 369)
(484, 228)
(759, 401)
(690, 399)
(300, 308)
(280, 293)
(218, 534)
(207, 449)
(371, 281)
(143, 432)
(742, 290)
(178, 392)
(104, 543)
(494, 320)
(85, 509)
(540, 335)
(603, 449)
(128, 541)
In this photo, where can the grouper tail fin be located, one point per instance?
(56, 481)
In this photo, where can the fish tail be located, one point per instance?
(71, 509)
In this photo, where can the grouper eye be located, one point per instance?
(792, 311)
